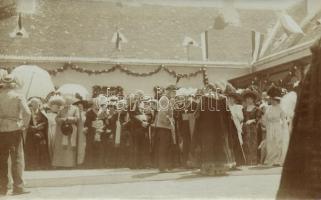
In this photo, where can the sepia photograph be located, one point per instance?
(160, 99)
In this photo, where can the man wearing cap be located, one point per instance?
(164, 124)
(14, 118)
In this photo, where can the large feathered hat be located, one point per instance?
(230, 91)
(56, 100)
(81, 101)
(250, 93)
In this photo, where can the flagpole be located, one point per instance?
(29, 86)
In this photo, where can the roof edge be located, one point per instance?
(210, 64)
(303, 50)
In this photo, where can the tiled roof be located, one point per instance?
(298, 13)
(83, 28)
(312, 31)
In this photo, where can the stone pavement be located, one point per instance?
(149, 184)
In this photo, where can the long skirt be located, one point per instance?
(250, 144)
(63, 156)
(275, 148)
(36, 153)
(52, 126)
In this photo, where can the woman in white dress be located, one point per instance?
(81, 104)
(65, 148)
(275, 122)
(55, 104)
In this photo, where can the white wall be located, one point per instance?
(131, 83)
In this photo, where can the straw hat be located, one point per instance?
(56, 100)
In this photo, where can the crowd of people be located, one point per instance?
(216, 129)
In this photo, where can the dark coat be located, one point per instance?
(301, 176)
(36, 146)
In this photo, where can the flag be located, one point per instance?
(118, 38)
(204, 45)
(19, 31)
(289, 25)
(257, 43)
(20, 22)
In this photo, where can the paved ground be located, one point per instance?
(250, 183)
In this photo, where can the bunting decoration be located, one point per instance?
(204, 45)
(118, 38)
(257, 44)
(289, 25)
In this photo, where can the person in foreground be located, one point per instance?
(14, 119)
(302, 167)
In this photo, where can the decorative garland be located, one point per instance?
(287, 82)
(178, 76)
(125, 70)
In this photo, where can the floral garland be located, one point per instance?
(263, 83)
(125, 70)
(178, 76)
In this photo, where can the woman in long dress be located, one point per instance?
(65, 150)
(81, 104)
(36, 146)
(55, 104)
(275, 122)
(213, 129)
(252, 115)
(236, 139)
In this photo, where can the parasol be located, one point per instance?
(36, 81)
(74, 89)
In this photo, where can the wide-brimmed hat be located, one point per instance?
(8, 78)
(248, 93)
(230, 91)
(171, 88)
(80, 101)
(36, 100)
(3, 73)
(275, 92)
(56, 100)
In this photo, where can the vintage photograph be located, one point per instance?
(160, 99)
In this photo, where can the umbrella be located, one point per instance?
(36, 81)
(74, 89)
